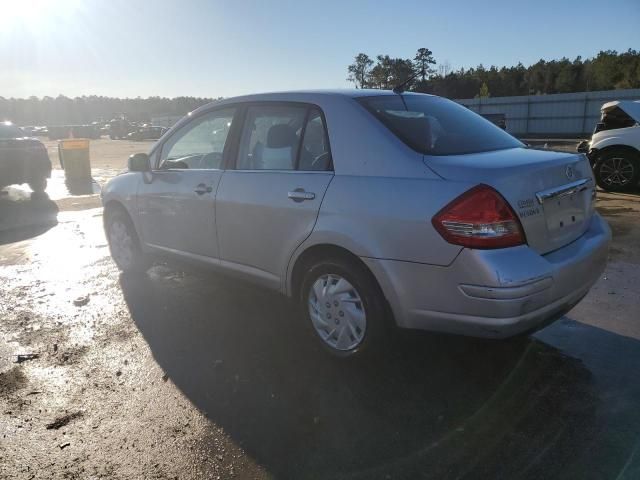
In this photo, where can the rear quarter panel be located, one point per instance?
(386, 217)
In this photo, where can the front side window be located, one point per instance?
(271, 137)
(437, 126)
(199, 144)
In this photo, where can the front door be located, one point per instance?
(177, 203)
(268, 205)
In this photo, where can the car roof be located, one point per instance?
(343, 92)
(304, 96)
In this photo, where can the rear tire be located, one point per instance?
(343, 307)
(124, 244)
(617, 170)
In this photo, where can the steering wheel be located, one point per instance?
(321, 160)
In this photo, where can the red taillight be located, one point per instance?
(479, 218)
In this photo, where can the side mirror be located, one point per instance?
(139, 162)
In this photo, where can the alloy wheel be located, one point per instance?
(617, 171)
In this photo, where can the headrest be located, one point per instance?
(280, 136)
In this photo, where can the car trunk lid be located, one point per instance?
(551, 192)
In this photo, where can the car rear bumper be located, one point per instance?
(494, 293)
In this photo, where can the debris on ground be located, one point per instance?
(81, 301)
(62, 421)
(64, 445)
(23, 357)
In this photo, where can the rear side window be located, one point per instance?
(271, 137)
(437, 126)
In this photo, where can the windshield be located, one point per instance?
(10, 131)
(437, 126)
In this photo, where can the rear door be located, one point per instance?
(268, 203)
(177, 206)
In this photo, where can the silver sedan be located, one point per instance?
(369, 209)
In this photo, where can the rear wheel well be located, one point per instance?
(319, 252)
(624, 148)
(313, 254)
(329, 251)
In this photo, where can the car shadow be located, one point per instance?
(632, 193)
(25, 215)
(427, 406)
(82, 186)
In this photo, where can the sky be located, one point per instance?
(212, 48)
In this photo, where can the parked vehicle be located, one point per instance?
(368, 208)
(614, 149)
(29, 131)
(42, 131)
(148, 132)
(22, 159)
(119, 128)
(60, 132)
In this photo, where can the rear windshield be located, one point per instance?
(10, 131)
(437, 126)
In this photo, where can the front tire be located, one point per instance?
(343, 307)
(124, 244)
(617, 170)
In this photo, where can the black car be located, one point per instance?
(22, 159)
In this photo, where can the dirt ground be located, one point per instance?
(190, 375)
(105, 153)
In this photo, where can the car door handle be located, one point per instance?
(202, 189)
(299, 195)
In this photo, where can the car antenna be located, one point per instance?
(401, 87)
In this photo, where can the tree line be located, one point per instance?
(63, 110)
(608, 70)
